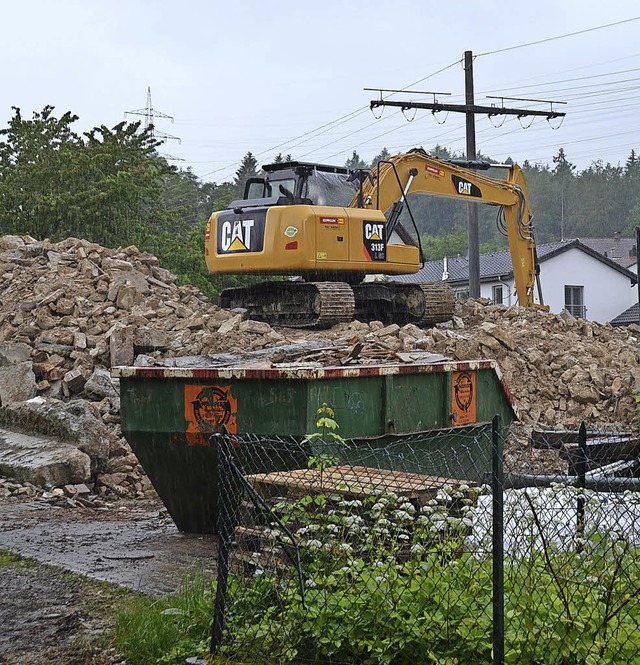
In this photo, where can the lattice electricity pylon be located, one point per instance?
(149, 114)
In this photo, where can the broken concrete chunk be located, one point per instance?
(388, 330)
(17, 383)
(80, 340)
(73, 382)
(413, 331)
(257, 327)
(10, 354)
(149, 339)
(79, 489)
(499, 333)
(100, 384)
(116, 264)
(230, 325)
(52, 297)
(121, 346)
(127, 297)
(63, 306)
(42, 460)
(11, 242)
(163, 275)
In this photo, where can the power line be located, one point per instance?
(580, 78)
(335, 122)
(306, 137)
(551, 39)
(340, 120)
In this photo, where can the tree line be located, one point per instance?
(111, 186)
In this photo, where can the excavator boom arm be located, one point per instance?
(417, 172)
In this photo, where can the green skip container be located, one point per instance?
(169, 413)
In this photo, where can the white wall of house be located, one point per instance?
(505, 286)
(607, 292)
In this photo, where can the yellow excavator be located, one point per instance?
(330, 226)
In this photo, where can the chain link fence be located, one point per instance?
(430, 549)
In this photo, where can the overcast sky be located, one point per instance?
(281, 76)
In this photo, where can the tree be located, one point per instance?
(280, 159)
(355, 162)
(124, 199)
(633, 220)
(105, 186)
(33, 155)
(546, 202)
(442, 152)
(191, 200)
(632, 166)
(248, 169)
(381, 156)
(563, 167)
(180, 246)
(449, 244)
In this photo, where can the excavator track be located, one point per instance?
(439, 303)
(294, 304)
(401, 302)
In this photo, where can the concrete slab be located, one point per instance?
(41, 460)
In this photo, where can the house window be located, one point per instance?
(462, 295)
(496, 295)
(574, 301)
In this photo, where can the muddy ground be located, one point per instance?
(55, 607)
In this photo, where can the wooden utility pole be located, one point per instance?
(470, 109)
(472, 208)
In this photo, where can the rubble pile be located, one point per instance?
(68, 496)
(560, 370)
(69, 311)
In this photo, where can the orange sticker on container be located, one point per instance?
(463, 399)
(208, 410)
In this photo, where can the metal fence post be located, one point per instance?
(497, 489)
(226, 529)
(581, 473)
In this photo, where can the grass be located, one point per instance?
(143, 629)
(166, 630)
(10, 560)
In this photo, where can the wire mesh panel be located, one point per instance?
(346, 553)
(572, 557)
(400, 552)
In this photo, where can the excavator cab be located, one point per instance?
(290, 183)
(298, 219)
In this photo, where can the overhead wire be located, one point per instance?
(551, 39)
(341, 119)
(333, 123)
(305, 137)
(546, 84)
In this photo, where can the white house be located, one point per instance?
(573, 276)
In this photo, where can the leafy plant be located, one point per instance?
(326, 436)
(389, 582)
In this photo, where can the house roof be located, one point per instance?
(499, 264)
(618, 249)
(627, 317)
